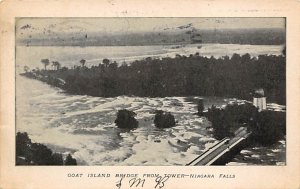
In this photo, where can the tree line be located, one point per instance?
(195, 75)
(30, 153)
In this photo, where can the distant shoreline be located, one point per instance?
(250, 36)
(167, 44)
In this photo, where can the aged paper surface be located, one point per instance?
(250, 176)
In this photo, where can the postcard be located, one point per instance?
(110, 94)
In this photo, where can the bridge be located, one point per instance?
(223, 151)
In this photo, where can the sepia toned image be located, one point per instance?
(164, 91)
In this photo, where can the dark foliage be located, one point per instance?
(41, 155)
(284, 51)
(35, 153)
(70, 160)
(46, 62)
(164, 119)
(200, 107)
(267, 127)
(226, 121)
(236, 77)
(219, 123)
(57, 159)
(22, 144)
(82, 62)
(125, 119)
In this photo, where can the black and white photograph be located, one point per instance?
(150, 91)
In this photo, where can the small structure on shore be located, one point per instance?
(259, 100)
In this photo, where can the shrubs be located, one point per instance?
(22, 144)
(41, 154)
(70, 160)
(267, 127)
(217, 118)
(226, 121)
(164, 119)
(28, 153)
(125, 119)
(58, 159)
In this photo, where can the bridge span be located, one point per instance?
(221, 152)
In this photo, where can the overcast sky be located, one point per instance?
(111, 25)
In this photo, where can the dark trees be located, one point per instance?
(28, 153)
(22, 143)
(267, 127)
(221, 129)
(82, 62)
(105, 62)
(200, 107)
(164, 119)
(182, 76)
(41, 155)
(57, 159)
(284, 51)
(226, 121)
(125, 119)
(46, 62)
(70, 161)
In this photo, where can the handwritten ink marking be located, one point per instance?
(160, 181)
(119, 183)
(136, 181)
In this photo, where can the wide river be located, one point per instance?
(70, 56)
(84, 125)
